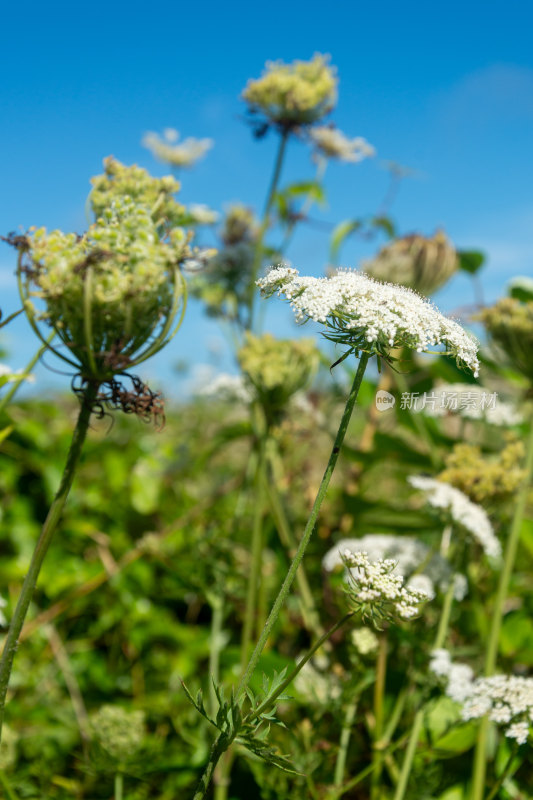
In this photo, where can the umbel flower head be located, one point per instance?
(112, 295)
(461, 510)
(329, 142)
(156, 194)
(292, 95)
(376, 592)
(169, 152)
(365, 315)
(419, 262)
(491, 478)
(276, 369)
(509, 323)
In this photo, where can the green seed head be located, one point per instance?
(418, 262)
(112, 294)
(277, 369)
(510, 324)
(295, 94)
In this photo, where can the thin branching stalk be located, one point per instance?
(4, 781)
(265, 222)
(119, 786)
(491, 654)
(47, 532)
(379, 696)
(414, 736)
(215, 646)
(340, 764)
(223, 741)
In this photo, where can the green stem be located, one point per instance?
(215, 646)
(43, 543)
(507, 771)
(440, 638)
(310, 615)
(269, 702)
(491, 655)
(309, 528)
(258, 254)
(346, 732)
(222, 742)
(10, 794)
(256, 558)
(8, 397)
(379, 694)
(119, 786)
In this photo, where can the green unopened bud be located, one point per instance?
(510, 324)
(420, 263)
(120, 733)
(120, 181)
(112, 295)
(293, 94)
(277, 369)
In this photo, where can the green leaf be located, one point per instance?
(385, 224)
(521, 288)
(470, 260)
(340, 233)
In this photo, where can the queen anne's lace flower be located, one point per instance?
(422, 569)
(506, 699)
(375, 591)
(332, 143)
(462, 511)
(363, 314)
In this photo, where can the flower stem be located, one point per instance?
(10, 794)
(346, 732)
(215, 645)
(491, 654)
(119, 786)
(379, 694)
(223, 741)
(50, 524)
(258, 254)
(412, 744)
(310, 526)
(309, 613)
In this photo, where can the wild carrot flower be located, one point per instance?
(482, 477)
(421, 263)
(412, 558)
(329, 142)
(375, 591)
(295, 94)
(365, 315)
(462, 511)
(169, 152)
(118, 731)
(507, 700)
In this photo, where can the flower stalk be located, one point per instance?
(41, 548)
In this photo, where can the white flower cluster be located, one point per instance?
(471, 402)
(224, 387)
(177, 155)
(375, 591)
(410, 556)
(462, 511)
(332, 143)
(369, 315)
(505, 699)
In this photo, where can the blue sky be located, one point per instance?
(445, 89)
